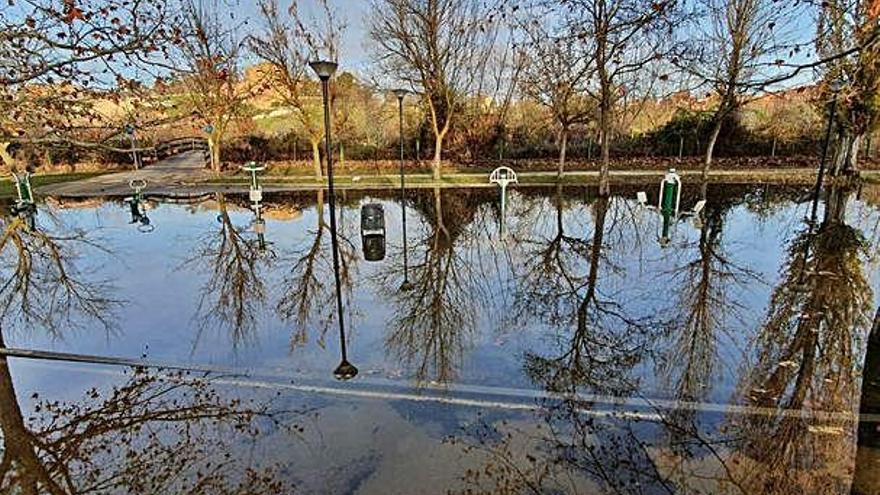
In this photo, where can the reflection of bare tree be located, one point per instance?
(307, 299)
(43, 285)
(702, 305)
(150, 435)
(551, 272)
(234, 291)
(435, 320)
(606, 340)
(806, 358)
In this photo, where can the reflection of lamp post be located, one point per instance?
(400, 94)
(325, 70)
(836, 86)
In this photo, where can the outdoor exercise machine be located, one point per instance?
(669, 206)
(255, 194)
(24, 206)
(503, 176)
(136, 206)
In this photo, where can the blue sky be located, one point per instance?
(354, 56)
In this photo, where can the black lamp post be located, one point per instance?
(325, 70)
(406, 285)
(836, 86)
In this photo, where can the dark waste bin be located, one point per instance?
(372, 220)
(374, 247)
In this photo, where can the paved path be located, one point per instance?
(177, 173)
(184, 176)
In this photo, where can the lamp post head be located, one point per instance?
(836, 86)
(323, 68)
(400, 93)
(345, 371)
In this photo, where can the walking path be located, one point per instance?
(185, 176)
(182, 172)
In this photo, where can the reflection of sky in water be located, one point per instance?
(492, 320)
(507, 312)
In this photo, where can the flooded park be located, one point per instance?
(563, 343)
(464, 247)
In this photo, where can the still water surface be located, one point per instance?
(557, 347)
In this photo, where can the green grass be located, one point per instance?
(7, 187)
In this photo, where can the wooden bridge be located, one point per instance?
(166, 149)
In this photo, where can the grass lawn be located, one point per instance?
(7, 187)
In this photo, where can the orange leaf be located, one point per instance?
(874, 11)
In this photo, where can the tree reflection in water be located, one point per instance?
(307, 299)
(705, 313)
(43, 285)
(234, 291)
(155, 433)
(172, 434)
(807, 361)
(600, 339)
(435, 320)
(806, 365)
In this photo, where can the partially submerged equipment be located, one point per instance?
(668, 205)
(503, 176)
(24, 205)
(373, 231)
(136, 206)
(256, 190)
(255, 194)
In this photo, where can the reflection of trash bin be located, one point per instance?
(374, 247)
(373, 220)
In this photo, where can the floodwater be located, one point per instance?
(558, 346)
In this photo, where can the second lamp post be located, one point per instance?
(325, 70)
(400, 94)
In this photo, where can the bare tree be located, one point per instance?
(43, 283)
(739, 40)
(155, 433)
(287, 45)
(556, 75)
(850, 28)
(59, 59)
(234, 291)
(306, 299)
(817, 315)
(210, 76)
(623, 37)
(435, 46)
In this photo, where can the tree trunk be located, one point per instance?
(836, 199)
(773, 149)
(710, 146)
(214, 150)
(316, 158)
(846, 153)
(18, 441)
(563, 144)
(604, 136)
(438, 154)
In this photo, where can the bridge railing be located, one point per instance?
(173, 147)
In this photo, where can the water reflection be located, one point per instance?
(434, 321)
(732, 361)
(234, 292)
(43, 285)
(151, 434)
(599, 340)
(707, 288)
(806, 356)
(306, 297)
